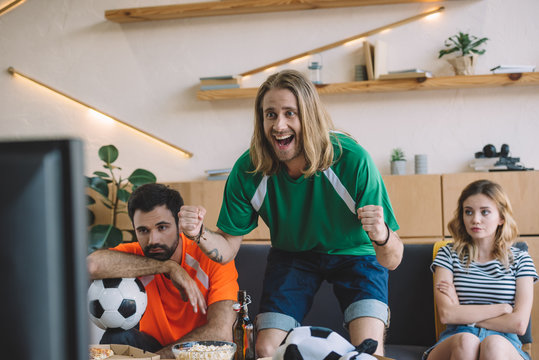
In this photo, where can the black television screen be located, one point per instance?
(43, 230)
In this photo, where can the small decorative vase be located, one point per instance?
(464, 65)
(398, 167)
(421, 163)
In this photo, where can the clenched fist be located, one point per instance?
(190, 220)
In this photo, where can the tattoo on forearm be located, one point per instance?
(215, 256)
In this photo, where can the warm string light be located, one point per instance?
(345, 41)
(298, 60)
(10, 6)
(354, 42)
(102, 114)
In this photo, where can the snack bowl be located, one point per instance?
(204, 350)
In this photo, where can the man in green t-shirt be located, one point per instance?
(327, 209)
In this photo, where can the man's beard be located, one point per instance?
(168, 251)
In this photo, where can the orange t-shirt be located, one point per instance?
(167, 317)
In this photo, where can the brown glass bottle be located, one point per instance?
(243, 329)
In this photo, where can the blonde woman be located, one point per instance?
(483, 285)
(327, 209)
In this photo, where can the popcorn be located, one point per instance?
(206, 352)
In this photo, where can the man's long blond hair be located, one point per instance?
(315, 125)
(506, 233)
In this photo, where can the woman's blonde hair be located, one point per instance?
(506, 233)
(316, 125)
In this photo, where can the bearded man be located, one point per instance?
(190, 297)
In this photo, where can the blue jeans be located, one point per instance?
(132, 337)
(292, 279)
(481, 333)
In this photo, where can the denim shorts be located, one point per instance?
(481, 333)
(292, 279)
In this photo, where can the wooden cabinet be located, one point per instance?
(417, 203)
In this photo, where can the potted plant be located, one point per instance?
(467, 45)
(398, 162)
(113, 193)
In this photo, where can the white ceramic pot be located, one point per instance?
(398, 167)
(464, 65)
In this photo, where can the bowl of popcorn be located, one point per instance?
(204, 350)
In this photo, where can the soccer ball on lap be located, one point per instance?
(116, 303)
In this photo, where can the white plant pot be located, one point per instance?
(398, 167)
(464, 65)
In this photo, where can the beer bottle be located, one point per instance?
(243, 329)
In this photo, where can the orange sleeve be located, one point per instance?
(131, 247)
(223, 282)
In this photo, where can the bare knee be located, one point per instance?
(497, 347)
(367, 328)
(268, 340)
(467, 345)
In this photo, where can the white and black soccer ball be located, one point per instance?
(312, 343)
(319, 343)
(116, 303)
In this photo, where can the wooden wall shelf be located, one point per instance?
(436, 83)
(234, 7)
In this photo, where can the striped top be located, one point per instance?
(485, 283)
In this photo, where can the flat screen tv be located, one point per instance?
(43, 233)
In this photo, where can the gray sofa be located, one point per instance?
(411, 299)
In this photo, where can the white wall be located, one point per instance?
(147, 74)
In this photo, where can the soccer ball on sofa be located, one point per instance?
(116, 303)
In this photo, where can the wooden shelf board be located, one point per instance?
(435, 83)
(233, 7)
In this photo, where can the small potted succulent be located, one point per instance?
(467, 45)
(398, 162)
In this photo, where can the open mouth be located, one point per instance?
(283, 140)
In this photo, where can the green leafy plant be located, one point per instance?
(113, 191)
(397, 154)
(464, 43)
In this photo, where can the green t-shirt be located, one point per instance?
(315, 213)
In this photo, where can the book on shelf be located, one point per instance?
(368, 52)
(504, 69)
(392, 75)
(217, 177)
(218, 171)
(220, 80)
(486, 164)
(380, 59)
(219, 86)
(360, 73)
(220, 77)
(498, 164)
(412, 70)
(218, 174)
